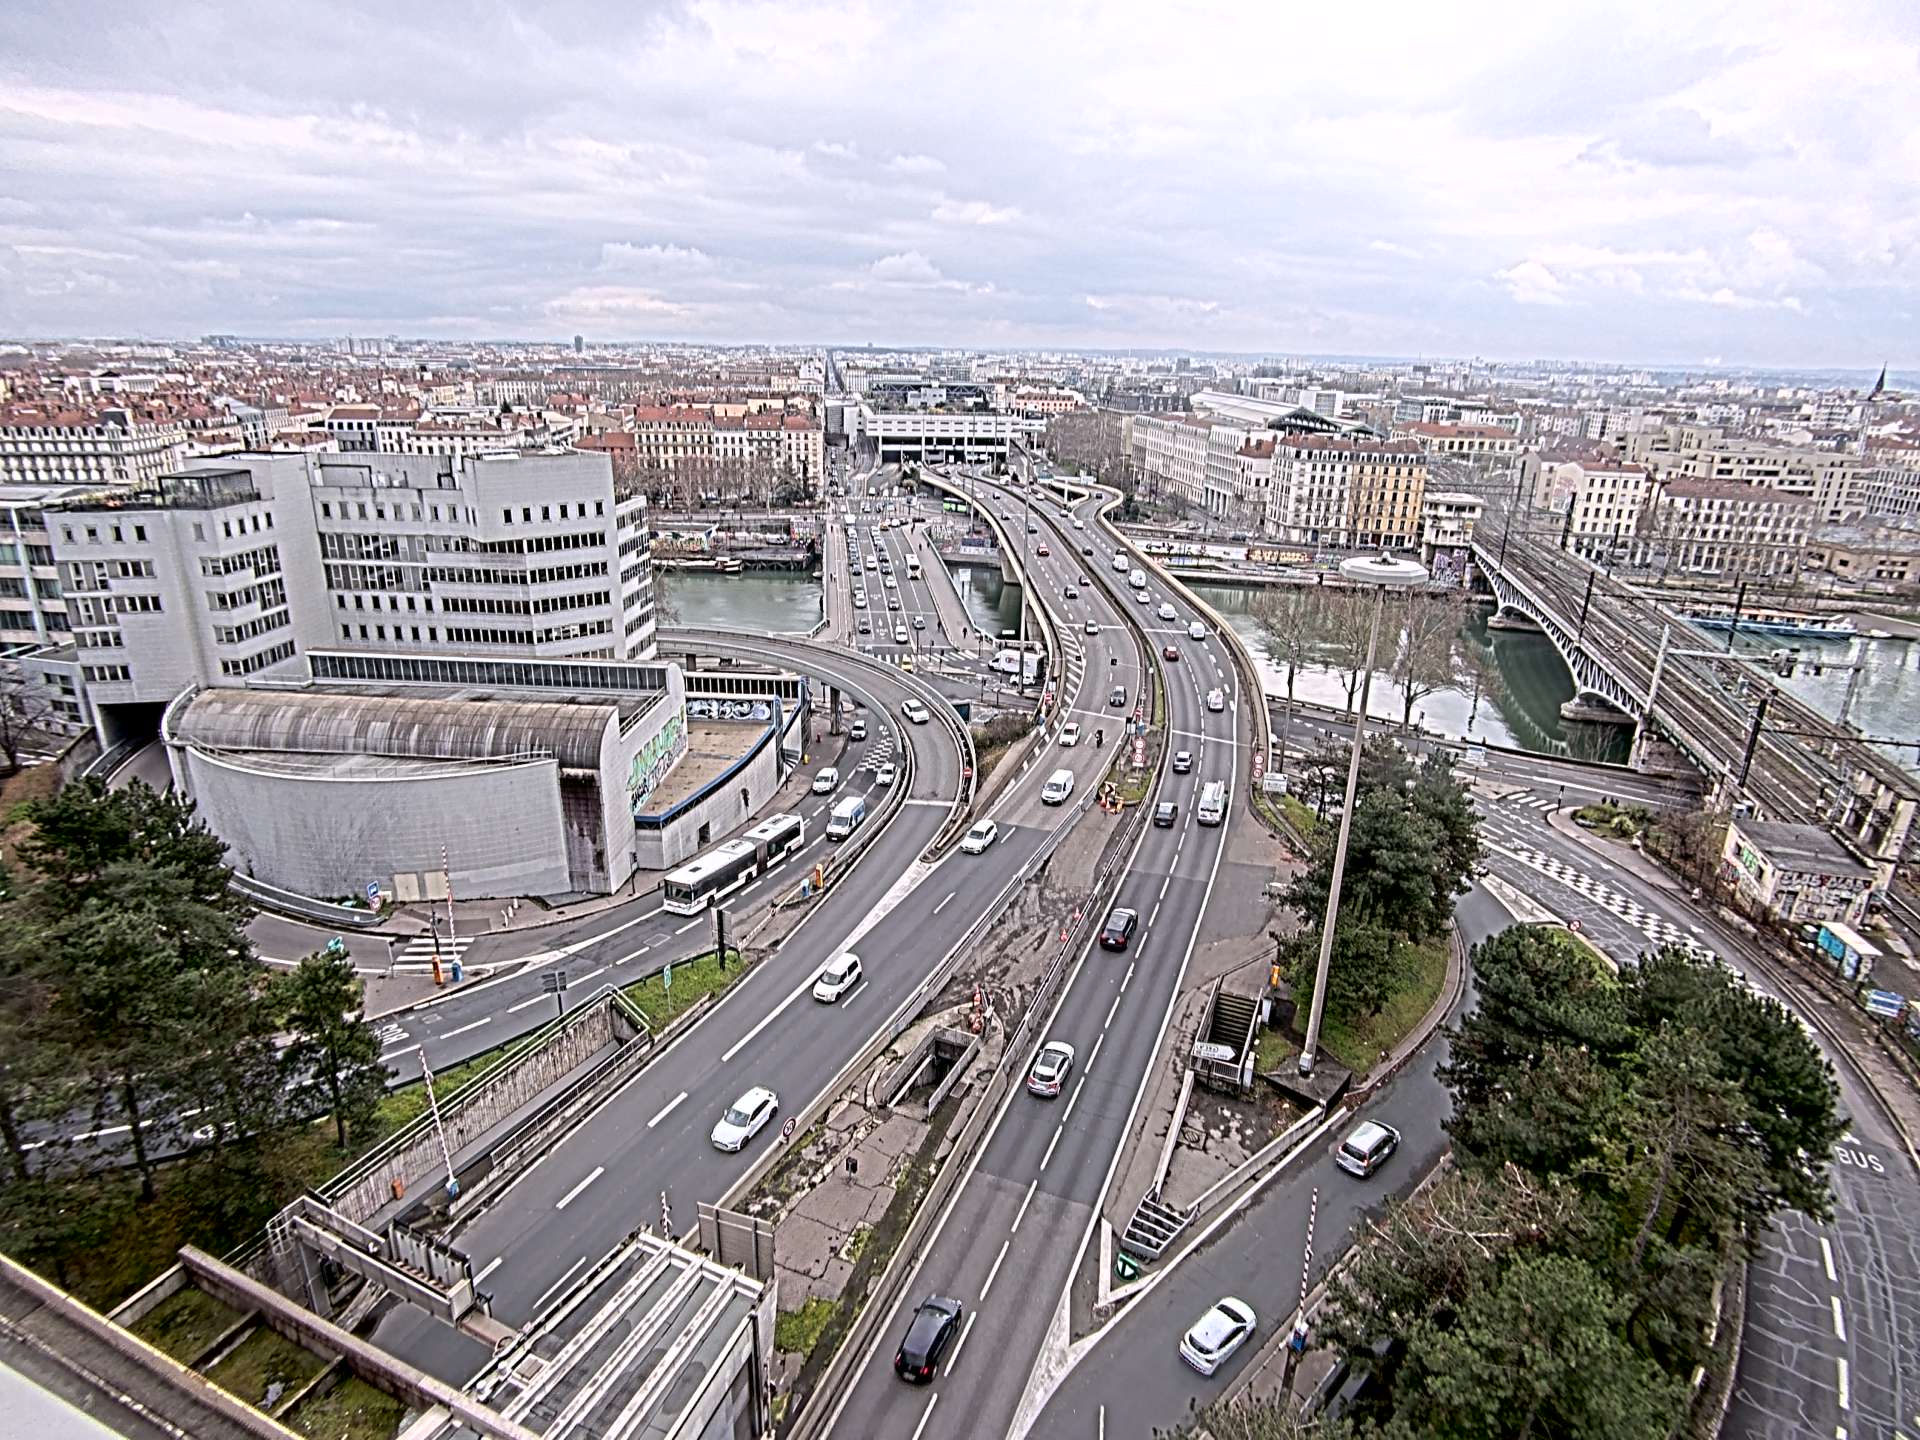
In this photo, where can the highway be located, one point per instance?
(606, 1177)
(1828, 1341)
(1017, 1227)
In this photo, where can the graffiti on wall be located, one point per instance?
(706, 709)
(653, 760)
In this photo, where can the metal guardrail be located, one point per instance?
(304, 907)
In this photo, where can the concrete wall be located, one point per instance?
(325, 837)
(727, 804)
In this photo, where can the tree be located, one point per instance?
(1346, 625)
(1289, 621)
(1424, 660)
(1538, 1351)
(25, 713)
(335, 1052)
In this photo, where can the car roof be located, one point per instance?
(1223, 1315)
(1367, 1134)
(753, 1097)
(1058, 1047)
(1122, 910)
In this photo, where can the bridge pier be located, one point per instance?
(1587, 709)
(1505, 619)
(833, 710)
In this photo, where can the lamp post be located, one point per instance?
(1384, 573)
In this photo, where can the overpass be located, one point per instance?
(1760, 747)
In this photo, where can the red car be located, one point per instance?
(1171, 652)
(1041, 550)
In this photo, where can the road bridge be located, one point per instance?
(1760, 747)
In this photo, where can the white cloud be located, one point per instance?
(915, 165)
(973, 212)
(909, 267)
(623, 255)
(1531, 283)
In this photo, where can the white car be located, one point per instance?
(827, 781)
(1050, 1069)
(1212, 1339)
(1196, 631)
(1093, 627)
(837, 977)
(1216, 699)
(885, 774)
(1078, 523)
(915, 712)
(745, 1118)
(1166, 611)
(859, 602)
(980, 837)
(1070, 733)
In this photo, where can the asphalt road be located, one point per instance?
(1012, 1236)
(606, 1178)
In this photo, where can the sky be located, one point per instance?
(1660, 183)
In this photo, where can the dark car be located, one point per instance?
(1086, 549)
(1164, 814)
(1170, 652)
(928, 1335)
(1118, 932)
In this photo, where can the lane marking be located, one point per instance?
(573, 1194)
(553, 1288)
(991, 1274)
(491, 1266)
(1846, 1395)
(953, 1361)
(1073, 1099)
(1154, 916)
(926, 1415)
(1049, 1155)
(591, 974)
(1101, 1040)
(1826, 1255)
(1110, 1009)
(686, 927)
(523, 1004)
(1126, 979)
(1031, 1187)
(465, 1028)
(666, 1109)
(943, 904)
(1839, 1322)
(853, 994)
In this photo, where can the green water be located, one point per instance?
(758, 603)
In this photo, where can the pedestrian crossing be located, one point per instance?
(879, 751)
(1529, 801)
(420, 949)
(1659, 930)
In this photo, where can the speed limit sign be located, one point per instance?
(786, 1130)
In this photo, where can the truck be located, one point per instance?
(1027, 664)
(846, 817)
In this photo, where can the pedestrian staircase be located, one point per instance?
(1220, 1056)
(1153, 1227)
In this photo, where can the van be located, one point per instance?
(1058, 787)
(1212, 808)
(846, 817)
(1138, 579)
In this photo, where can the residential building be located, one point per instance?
(1722, 527)
(1448, 519)
(1476, 444)
(1876, 552)
(1384, 493)
(1837, 483)
(1170, 457)
(1598, 498)
(110, 445)
(237, 569)
(1334, 491)
(1796, 874)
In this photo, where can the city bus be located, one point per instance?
(913, 567)
(731, 864)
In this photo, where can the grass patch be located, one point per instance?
(351, 1410)
(1358, 1043)
(261, 1361)
(857, 1242)
(33, 782)
(693, 980)
(798, 1331)
(1300, 815)
(1622, 822)
(1271, 1050)
(185, 1323)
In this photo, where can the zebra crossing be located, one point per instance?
(1528, 801)
(879, 750)
(420, 949)
(1659, 930)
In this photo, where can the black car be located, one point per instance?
(1164, 813)
(1118, 933)
(928, 1335)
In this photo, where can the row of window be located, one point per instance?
(99, 640)
(261, 562)
(461, 635)
(545, 575)
(106, 674)
(36, 554)
(116, 530)
(401, 511)
(541, 544)
(259, 660)
(266, 592)
(546, 512)
(492, 605)
(250, 629)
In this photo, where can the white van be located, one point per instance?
(846, 817)
(1216, 699)
(1058, 787)
(1212, 808)
(1138, 579)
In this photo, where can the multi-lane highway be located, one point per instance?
(606, 1178)
(1018, 1226)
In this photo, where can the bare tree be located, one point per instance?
(26, 714)
(1289, 620)
(1424, 663)
(1346, 623)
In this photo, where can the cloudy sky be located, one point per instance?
(1664, 182)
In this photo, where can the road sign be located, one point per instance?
(1208, 1050)
(786, 1130)
(1574, 926)
(666, 976)
(373, 892)
(1884, 1003)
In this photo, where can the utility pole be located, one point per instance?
(1739, 603)
(1653, 695)
(1586, 600)
(1753, 736)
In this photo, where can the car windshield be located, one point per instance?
(739, 1115)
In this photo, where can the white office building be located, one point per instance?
(235, 569)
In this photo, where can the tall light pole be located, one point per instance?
(1383, 573)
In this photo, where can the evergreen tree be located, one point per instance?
(335, 1054)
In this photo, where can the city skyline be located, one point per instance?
(1725, 187)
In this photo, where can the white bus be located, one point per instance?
(913, 567)
(731, 864)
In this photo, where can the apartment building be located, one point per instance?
(1883, 552)
(1475, 444)
(1385, 490)
(1170, 457)
(109, 445)
(234, 570)
(1722, 527)
(1838, 484)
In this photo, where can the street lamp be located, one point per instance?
(1384, 573)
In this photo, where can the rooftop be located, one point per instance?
(1805, 849)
